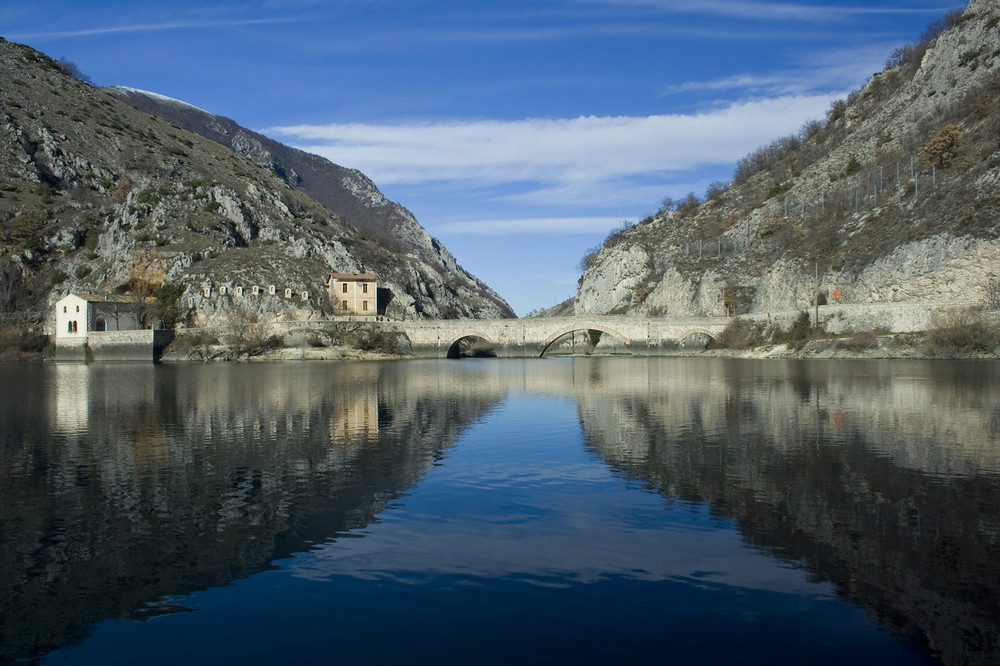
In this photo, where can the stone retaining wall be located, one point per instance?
(139, 345)
(892, 317)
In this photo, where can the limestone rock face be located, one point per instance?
(611, 285)
(94, 182)
(875, 205)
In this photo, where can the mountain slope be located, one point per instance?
(893, 198)
(92, 188)
(346, 192)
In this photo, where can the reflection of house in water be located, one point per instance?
(72, 397)
(355, 419)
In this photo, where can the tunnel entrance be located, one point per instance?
(472, 346)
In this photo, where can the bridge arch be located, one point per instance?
(582, 326)
(697, 331)
(472, 345)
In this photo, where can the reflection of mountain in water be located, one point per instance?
(146, 481)
(884, 485)
(124, 484)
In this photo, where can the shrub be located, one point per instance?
(799, 333)
(809, 129)
(862, 340)
(899, 57)
(837, 110)
(166, 298)
(18, 342)
(246, 331)
(315, 340)
(196, 341)
(853, 166)
(801, 328)
(992, 296)
(589, 259)
(962, 331)
(943, 145)
(688, 205)
(740, 333)
(715, 191)
(385, 342)
(778, 188)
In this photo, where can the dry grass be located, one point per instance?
(962, 332)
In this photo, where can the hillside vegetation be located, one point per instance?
(99, 196)
(893, 196)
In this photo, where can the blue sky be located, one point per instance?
(519, 132)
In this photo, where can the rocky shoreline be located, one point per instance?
(901, 346)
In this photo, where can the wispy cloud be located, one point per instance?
(567, 154)
(822, 71)
(153, 27)
(549, 226)
(775, 11)
(744, 82)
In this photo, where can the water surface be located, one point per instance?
(502, 511)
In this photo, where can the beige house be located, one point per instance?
(353, 293)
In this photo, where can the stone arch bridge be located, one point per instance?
(534, 337)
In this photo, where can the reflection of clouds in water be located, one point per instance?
(537, 554)
(551, 517)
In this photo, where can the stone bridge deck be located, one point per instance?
(533, 337)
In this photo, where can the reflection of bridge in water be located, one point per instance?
(513, 338)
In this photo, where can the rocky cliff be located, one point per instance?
(893, 197)
(96, 194)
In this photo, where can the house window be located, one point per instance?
(364, 305)
(344, 287)
(64, 308)
(69, 327)
(343, 305)
(364, 287)
(78, 308)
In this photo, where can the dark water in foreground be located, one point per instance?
(497, 512)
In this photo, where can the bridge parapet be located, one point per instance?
(531, 337)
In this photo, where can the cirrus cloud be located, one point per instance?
(564, 155)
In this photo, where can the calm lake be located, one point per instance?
(577, 511)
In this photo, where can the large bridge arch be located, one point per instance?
(471, 344)
(582, 326)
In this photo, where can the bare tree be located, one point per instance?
(144, 278)
(992, 299)
(74, 71)
(246, 329)
(12, 289)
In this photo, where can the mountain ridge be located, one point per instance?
(90, 187)
(822, 214)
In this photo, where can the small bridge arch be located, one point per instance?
(582, 326)
(696, 331)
